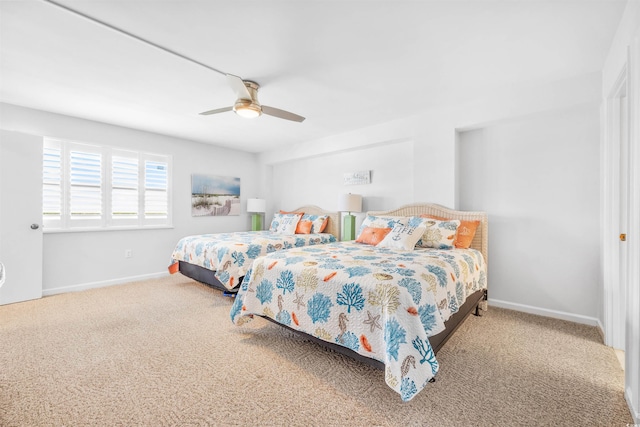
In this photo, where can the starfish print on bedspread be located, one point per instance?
(373, 321)
(299, 301)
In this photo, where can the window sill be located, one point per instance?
(94, 229)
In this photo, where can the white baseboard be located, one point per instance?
(92, 285)
(600, 327)
(577, 318)
(635, 412)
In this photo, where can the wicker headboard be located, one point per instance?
(480, 240)
(333, 226)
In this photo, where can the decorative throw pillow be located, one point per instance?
(319, 222)
(439, 234)
(299, 228)
(466, 231)
(285, 223)
(382, 222)
(405, 236)
(304, 226)
(372, 235)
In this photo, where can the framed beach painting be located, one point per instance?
(214, 195)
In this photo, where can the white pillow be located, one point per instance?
(285, 223)
(404, 236)
(439, 234)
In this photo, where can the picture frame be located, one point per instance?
(357, 178)
(213, 195)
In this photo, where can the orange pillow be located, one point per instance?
(372, 235)
(291, 213)
(304, 227)
(466, 231)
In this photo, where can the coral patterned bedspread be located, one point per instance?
(382, 303)
(230, 255)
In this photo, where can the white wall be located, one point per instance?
(434, 134)
(538, 180)
(431, 158)
(79, 260)
(433, 137)
(319, 180)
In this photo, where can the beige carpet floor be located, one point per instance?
(164, 353)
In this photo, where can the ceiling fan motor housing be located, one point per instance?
(249, 107)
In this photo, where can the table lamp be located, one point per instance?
(349, 203)
(257, 207)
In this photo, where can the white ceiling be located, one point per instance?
(343, 65)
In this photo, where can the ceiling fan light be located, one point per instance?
(248, 113)
(247, 109)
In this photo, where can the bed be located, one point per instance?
(221, 260)
(389, 306)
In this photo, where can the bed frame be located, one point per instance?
(206, 276)
(480, 240)
(474, 302)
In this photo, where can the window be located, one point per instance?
(98, 187)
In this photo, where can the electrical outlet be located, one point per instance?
(128, 253)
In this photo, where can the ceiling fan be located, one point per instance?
(247, 104)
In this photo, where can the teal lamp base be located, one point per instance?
(256, 222)
(349, 227)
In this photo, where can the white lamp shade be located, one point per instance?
(350, 203)
(256, 205)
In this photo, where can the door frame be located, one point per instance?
(630, 323)
(632, 343)
(613, 290)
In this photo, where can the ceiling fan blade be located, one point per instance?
(237, 84)
(276, 112)
(219, 110)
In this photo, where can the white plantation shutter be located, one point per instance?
(51, 183)
(85, 190)
(156, 186)
(124, 187)
(96, 187)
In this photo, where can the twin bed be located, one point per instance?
(382, 304)
(221, 260)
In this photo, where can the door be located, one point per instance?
(624, 217)
(20, 214)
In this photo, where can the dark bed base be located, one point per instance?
(205, 276)
(436, 341)
(470, 305)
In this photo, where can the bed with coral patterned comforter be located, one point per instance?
(230, 255)
(381, 303)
